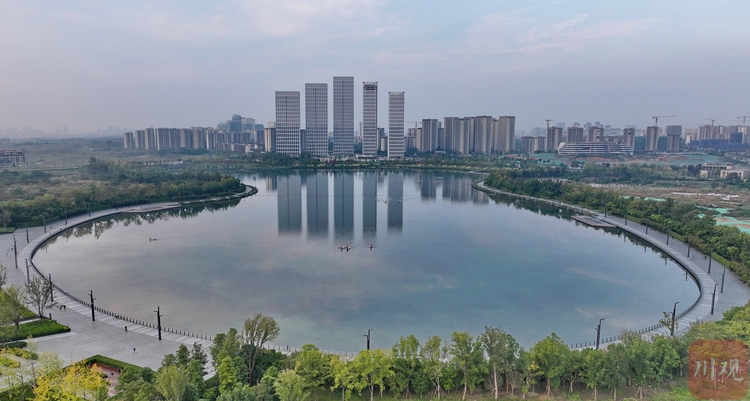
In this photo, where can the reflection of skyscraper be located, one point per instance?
(427, 186)
(395, 201)
(456, 188)
(317, 204)
(479, 197)
(343, 203)
(289, 199)
(370, 203)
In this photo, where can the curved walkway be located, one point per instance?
(735, 292)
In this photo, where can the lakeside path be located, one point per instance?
(105, 336)
(736, 293)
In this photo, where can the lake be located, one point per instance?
(444, 258)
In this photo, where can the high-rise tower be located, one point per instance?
(316, 119)
(369, 119)
(287, 123)
(343, 116)
(396, 125)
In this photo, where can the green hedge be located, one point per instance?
(113, 363)
(38, 328)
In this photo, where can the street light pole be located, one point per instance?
(598, 332)
(93, 316)
(722, 279)
(710, 258)
(51, 288)
(713, 299)
(688, 251)
(368, 338)
(15, 251)
(158, 321)
(28, 276)
(674, 314)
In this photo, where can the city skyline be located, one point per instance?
(86, 66)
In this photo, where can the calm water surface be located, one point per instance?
(444, 258)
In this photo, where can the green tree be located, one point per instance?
(616, 362)
(374, 366)
(594, 370)
(345, 377)
(405, 360)
(433, 354)
(313, 367)
(290, 387)
(229, 373)
(15, 297)
(172, 383)
(468, 358)
(501, 351)
(241, 392)
(550, 355)
(259, 330)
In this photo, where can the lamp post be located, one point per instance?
(722, 279)
(646, 223)
(688, 251)
(598, 332)
(27, 234)
(713, 298)
(15, 251)
(51, 288)
(93, 316)
(44, 224)
(158, 321)
(710, 258)
(368, 338)
(674, 314)
(28, 276)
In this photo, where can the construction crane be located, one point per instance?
(743, 119)
(656, 119)
(551, 119)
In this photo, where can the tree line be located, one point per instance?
(117, 185)
(689, 221)
(491, 364)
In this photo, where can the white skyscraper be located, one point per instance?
(287, 123)
(396, 125)
(343, 116)
(369, 119)
(316, 119)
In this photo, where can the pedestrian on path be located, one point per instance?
(134, 350)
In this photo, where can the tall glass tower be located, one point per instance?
(343, 116)
(316, 119)
(369, 119)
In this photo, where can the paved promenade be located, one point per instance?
(735, 292)
(106, 335)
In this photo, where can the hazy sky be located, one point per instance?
(92, 64)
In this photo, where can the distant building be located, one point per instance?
(532, 144)
(269, 139)
(288, 123)
(674, 135)
(369, 119)
(595, 134)
(12, 157)
(316, 119)
(575, 135)
(629, 137)
(343, 116)
(594, 148)
(396, 146)
(554, 137)
(652, 138)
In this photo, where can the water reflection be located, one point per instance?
(289, 198)
(370, 204)
(343, 204)
(396, 202)
(317, 204)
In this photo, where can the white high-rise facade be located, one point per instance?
(316, 119)
(369, 119)
(396, 125)
(287, 123)
(343, 116)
